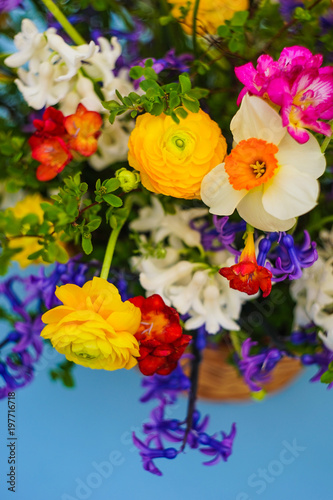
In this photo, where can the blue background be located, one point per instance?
(66, 436)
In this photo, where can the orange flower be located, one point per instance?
(247, 276)
(83, 127)
(173, 158)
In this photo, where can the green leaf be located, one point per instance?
(181, 112)
(120, 97)
(136, 72)
(113, 200)
(148, 63)
(134, 113)
(192, 105)
(150, 84)
(111, 184)
(86, 244)
(35, 255)
(223, 31)
(174, 99)
(239, 18)
(94, 224)
(111, 105)
(149, 73)
(98, 184)
(157, 108)
(185, 82)
(327, 377)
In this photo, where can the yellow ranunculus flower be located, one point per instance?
(211, 13)
(29, 244)
(94, 327)
(173, 158)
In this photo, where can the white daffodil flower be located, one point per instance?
(32, 47)
(71, 57)
(41, 89)
(112, 144)
(268, 177)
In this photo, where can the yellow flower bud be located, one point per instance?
(128, 180)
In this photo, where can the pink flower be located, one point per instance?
(298, 84)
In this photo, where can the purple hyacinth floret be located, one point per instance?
(159, 428)
(221, 236)
(219, 450)
(43, 286)
(257, 368)
(9, 5)
(287, 259)
(149, 454)
(322, 359)
(165, 387)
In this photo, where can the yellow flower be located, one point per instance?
(93, 327)
(173, 159)
(211, 13)
(29, 244)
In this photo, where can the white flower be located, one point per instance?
(121, 83)
(40, 89)
(313, 294)
(212, 311)
(269, 177)
(82, 92)
(112, 144)
(102, 62)
(32, 47)
(163, 225)
(72, 57)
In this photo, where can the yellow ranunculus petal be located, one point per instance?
(94, 328)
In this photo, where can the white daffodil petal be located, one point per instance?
(307, 158)
(256, 118)
(252, 211)
(218, 194)
(290, 193)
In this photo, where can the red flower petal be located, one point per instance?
(160, 336)
(84, 128)
(54, 156)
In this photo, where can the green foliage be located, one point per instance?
(63, 372)
(173, 99)
(327, 377)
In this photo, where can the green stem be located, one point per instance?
(326, 142)
(113, 240)
(194, 33)
(62, 19)
(320, 223)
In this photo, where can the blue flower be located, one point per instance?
(219, 450)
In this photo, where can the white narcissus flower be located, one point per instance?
(153, 219)
(112, 144)
(268, 177)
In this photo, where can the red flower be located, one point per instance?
(247, 276)
(57, 135)
(160, 336)
(83, 127)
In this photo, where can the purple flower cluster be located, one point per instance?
(221, 236)
(322, 359)
(22, 347)
(287, 259)
(160, 429)
(287, 8)
(257, 368)
(9, 5)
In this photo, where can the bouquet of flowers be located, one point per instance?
(167, 165)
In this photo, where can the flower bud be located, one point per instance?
(128, 180)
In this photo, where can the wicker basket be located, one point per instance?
(219, 381)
